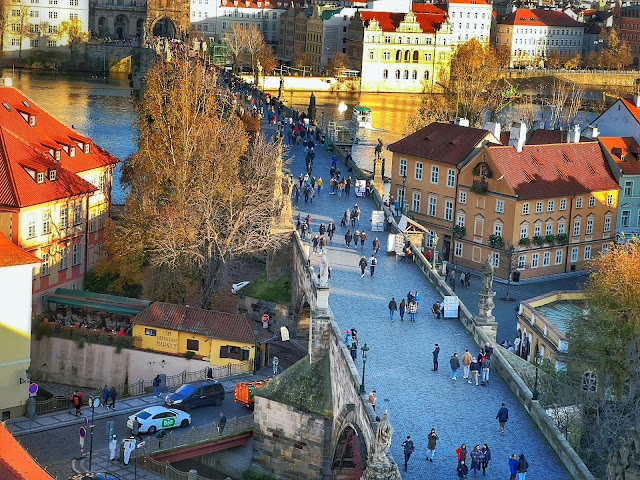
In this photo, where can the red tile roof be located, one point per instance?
(542, 171)
(623, 146)
(539, 17)
(390, 21)
(635, 111)
(442, 142)
(429, 8)
(542, 136)
(221, 325)
(471, 2)
(11, 254)
(15, 462)
(20, 163)
(277, 4)
(46, 130)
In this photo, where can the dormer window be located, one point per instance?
(72, 152)
(52, 174)
(86, 148)
(26, 104)
(6, 106)
(57, 155)
(32, 120)
(40, 177)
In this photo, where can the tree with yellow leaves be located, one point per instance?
(73, 31)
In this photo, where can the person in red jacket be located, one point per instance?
(462, 452)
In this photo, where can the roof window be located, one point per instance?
(6, 106)
(32, 120)
(26, 104)
(52, 174)
(72, 151)
(40, 177)
(86, 148)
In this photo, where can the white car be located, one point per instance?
(157, 418)
(237, 286)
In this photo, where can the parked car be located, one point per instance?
(94, 476)
(196, 394)
(157, 418)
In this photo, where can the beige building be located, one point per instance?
(400, 52)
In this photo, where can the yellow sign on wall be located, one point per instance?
(167, 340)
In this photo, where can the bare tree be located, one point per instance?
(509, 263)
(19, 25)
(253, 41)
(235, 41)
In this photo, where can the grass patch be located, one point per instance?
(278, 291)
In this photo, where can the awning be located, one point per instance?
(98, 302)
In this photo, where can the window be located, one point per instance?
(607, 224)
(53, 14)
(525, 208)
(560, 227)
(524, 232)
(558, 257)
(46, 223)
(574, 254)
(451, 177)
(44, 271)
(403, 167)
(460, 219)
(76, 255)
(435, 171)
(605, 248)
(458, 249)
(500, 206)
(462, 197)
(31, 227)
(101, 219)
(40, 177)
(44, 301)
(73, 16)
(432, 206)
(34, 14)
(77, 214)
(576, 228)
(415, 202)
(609, 199)
(62, 265)
(549, 229)
(539, 207)
(34, 42)
(624, 218)
(151, 332)
(400, 195)
(397, 74)
(546, 259)
(414, 75)
(370, 54)
(534, 260)
(52, 174)
(495, 259)
(551, 206)
(537, 230)
(592, 201)
(522, 262)
(589, 229)
(418, 172)
(579, 202)
(193, 344)
(563, 204)
(237, 353)
(587, 252)
(386, 55)
(385, 73)
(628, 189)
(448, 210)
(497, 229)
(64, 213)
(52, 29)
(92, 222)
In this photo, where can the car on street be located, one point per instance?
(196, 394)
(94, 476)
(157, 418)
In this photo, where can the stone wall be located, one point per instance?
(111, 58)
(232, 461)
(302, 281)
(590, 78)
(279, 315)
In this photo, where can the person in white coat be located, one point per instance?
(129, 446)
(113, 444)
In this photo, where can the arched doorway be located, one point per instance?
(102, 27)
(121, 26)
(350, 457)
(164, 28)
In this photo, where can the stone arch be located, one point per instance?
(163, 27)
(102, 27)
(407, 56)
(349, 457)
(304, 319)
(398, 55)
(139, 28)
(121, 26)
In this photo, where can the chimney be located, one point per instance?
(7, 82)
(518, 135)
(494, 128)
(463, 122)
(573, 136)
(636, 99)
(591, 132)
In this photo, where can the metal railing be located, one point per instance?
(165, 469)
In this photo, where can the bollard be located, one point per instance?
(31, 407)
(192, 475)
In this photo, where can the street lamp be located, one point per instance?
(537, 358)
(93, 402)
(365, 354)
(404, 193)
(28, 371)
(256, 330)
(455, 270)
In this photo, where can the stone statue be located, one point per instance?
(324, 272)
(383, 439)
(487, 277)
(379, 466)
(378, 149)
(484, 319)
(281, 87)
(311, 111)
(259, 67)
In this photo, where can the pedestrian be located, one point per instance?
(408, 450)
(486, 458)
(409, 297)
(363, 237)
(331, 230)
(77, 402)
(156, 386)
(522, 466)
(476, 459)
(322, 229)
(512, 466)
(486, 364)
(416, 298)
(363, 264)
(466, 363)
(347, 238)
(112, 395)
(113, 444)
(462, 469)
(403, 307)
(474, 367)
(323, 244)
(393, 307)
(462, 452)
(315, 241)
(319, 184)
(432, 438)
(412, 309)
(435, 352)
(454, 362)
(462, 276)
(452, 278)
(502, 417)
(467, 279)
(105, 396)
(353, 349)
(372, 399)
(372, 264)
(222, 421)
(356, 238)
(135, 428)
(435, 310)
(376, 245)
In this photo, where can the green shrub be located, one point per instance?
(122, 341)
(44, 330)
(92, 337)
(459, 231)
(77, 334)
(189, 354)
(525, 242)
(103, 338)
(80, 342)
(550, 239)
(496, 241)
(562, 238)
(538, 240)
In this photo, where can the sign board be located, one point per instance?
(82, 432)
(86, 421)
(265, 320)
(399, 246)
(109, 430)
(451, 304)
(33, 388)
(168, 422)
(377, 220)
(284, 333)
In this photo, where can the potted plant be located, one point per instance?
(562, 238)
(496, 241)
(459, 231)
(538, 240)
(550, 239)
(525, 242)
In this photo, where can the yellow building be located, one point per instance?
(219, 337)
(400, 52)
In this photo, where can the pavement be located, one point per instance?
(399, 365)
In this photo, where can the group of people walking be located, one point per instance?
(409, 306)
(472, 367)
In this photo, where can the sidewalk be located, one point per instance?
(100, 463)
(23, 426)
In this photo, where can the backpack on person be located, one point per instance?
(374, 262)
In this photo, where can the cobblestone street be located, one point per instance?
(400, 360)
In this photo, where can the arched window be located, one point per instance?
(426, 75)
(406, 75)
(414, 75)
(407, 56)
(398, 55)
(385, 73)
(589, 382)
(415, 56)
(397, 74)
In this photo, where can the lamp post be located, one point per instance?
(93, 402)
(365, 354)
(455, 276)
(404, 193)
(256, 330)
(537, 358)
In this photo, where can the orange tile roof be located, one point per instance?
(46, 130)
(471, 2)
(539, 17)
(11, 254)
(15, 462)
(19, 161)
(542, 171)
(624, 146)
(390, 21)
(543, 136)
(635, 111)
(428, 8)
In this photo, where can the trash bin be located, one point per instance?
(163, 382)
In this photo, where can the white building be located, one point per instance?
(470, 19)
(531, 34)
(35, 24)
(335, 32)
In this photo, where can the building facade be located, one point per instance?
(397, 52)
(620, 119)
(531, 34)
(335, 32)
(118, 18)
(470, 19)
(629, 29)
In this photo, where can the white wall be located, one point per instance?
(617, 121)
